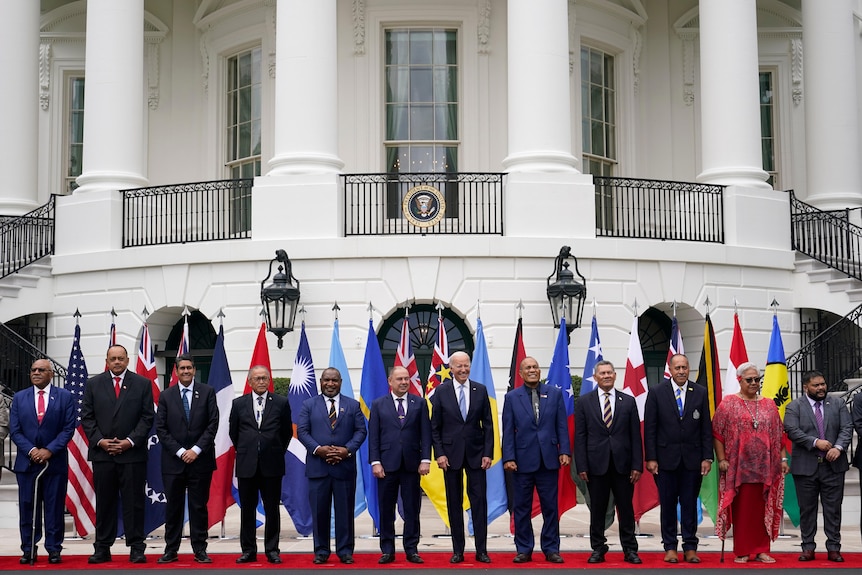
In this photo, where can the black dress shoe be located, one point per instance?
(54, 557)
(522, 558)
(273, 557)
(25, 559)
(632, 557)
(414, 558)
(554, 558)
(346, 559)
(247, 558)
(596, 557)
(137, 557)
(457, 558)
(320, 559)
(386, 558)
(483, 558)
(835, 556)
(202, 557)
(167, 558)
(97, 558)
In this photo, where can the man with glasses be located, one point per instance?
(678, 452)
(260, 428)
(42, 420)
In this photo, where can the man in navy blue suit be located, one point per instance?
(331, 426)
(535, 445)
(609, 457)
(678, 451)
(42, 420)
(186, 423)
(399, 448)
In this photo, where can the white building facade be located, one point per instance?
(538, 97)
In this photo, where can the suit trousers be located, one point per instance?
(51, 498)
(387, 494)
(544, 482)
(453, 480)
(177, 485)
(827, 487)
(600, 488)
(129, 479)
(678, 486)
(269, 491)
(323, 494)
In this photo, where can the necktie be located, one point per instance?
(818, 416)
(116, 386)
(332, 416)
(259, 410)
(40, 406)
(462, 402)
(607, 415)
(186, 402)
(534, 396)
(679, 400)
(401, 412)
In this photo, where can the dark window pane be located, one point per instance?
(420, 47)
(422, 122)
(421, 85)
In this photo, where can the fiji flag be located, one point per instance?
(294, 486)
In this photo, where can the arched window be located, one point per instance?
(202, 338)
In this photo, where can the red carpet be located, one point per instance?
(435, 560)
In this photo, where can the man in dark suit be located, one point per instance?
(260, 428)
(609, 459)
(186, 423)
(42, 420)
(117, 415)
(399, 449)
(535, 445)
(820, 430)
(462, 433)
(331, 426)
(678, 450)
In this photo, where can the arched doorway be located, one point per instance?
(654, 333)
(422, 320)
(202, 338)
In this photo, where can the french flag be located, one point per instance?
(220, 491)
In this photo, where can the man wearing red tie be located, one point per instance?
(42, 420)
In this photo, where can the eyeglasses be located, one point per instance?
(752, 379)
(38, 369)
(260, 378)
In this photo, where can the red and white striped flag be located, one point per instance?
(404, 358)
(635, 384)
(80, 496)
(738, 356)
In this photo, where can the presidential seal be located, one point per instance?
(423, 206)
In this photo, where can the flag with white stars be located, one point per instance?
(560, 375)
(80, 496)
(594, 355)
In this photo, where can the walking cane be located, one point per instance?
(34, 518)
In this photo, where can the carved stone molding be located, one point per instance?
(44, 74)
(358, 27)
(637, 48)
(796, 69)
(573, 50)
(272, 29)
(688, 72)
(483, 29)
(205, 60)
(152, 55)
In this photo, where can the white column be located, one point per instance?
(834, 172)
(730, 94)
(539, 96)
(19, 99)
(114, 104)
(306, 88)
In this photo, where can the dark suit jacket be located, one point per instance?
(464, 443)
(103, 415)
(264, 445)
(396, 446)
(528, 442)
(313, 430)
(175, 432)
(595, 442)
(856, 416)
(672, 440)
(55, 431)
(801, 428)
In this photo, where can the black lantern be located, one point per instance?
(567, 295)
(280, 298)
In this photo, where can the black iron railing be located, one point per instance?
(659, 210)
(467, 203)
(26, 239)
(196, 212)
(827, 237)
(836, 351)
(16, 356)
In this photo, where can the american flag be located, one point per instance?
(80, 496)
(404, 358)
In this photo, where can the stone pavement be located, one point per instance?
(574, 527)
